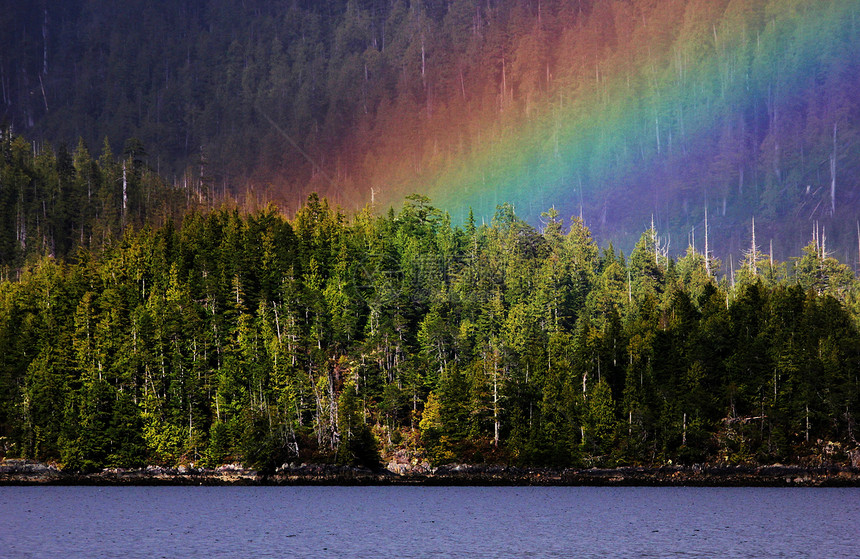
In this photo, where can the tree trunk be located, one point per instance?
(833, 174)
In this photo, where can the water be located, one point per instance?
(197, 522)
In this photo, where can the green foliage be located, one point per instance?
(357, 445)
(599, 419)
(263, 340)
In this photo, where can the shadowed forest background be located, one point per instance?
(618, 110)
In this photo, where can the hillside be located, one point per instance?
(618, 111)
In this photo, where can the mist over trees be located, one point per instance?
(745, 107)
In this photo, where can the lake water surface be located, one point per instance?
(199, 522)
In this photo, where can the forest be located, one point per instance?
(616, 108)
(134, 335)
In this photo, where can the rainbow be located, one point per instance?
(685, 109)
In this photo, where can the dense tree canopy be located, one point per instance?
(342, 338)
(138, 324)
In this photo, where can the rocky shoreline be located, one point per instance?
(25, 472)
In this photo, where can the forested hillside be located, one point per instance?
(623, 108)
(151, 320)
(337, 338)
(57, 202)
